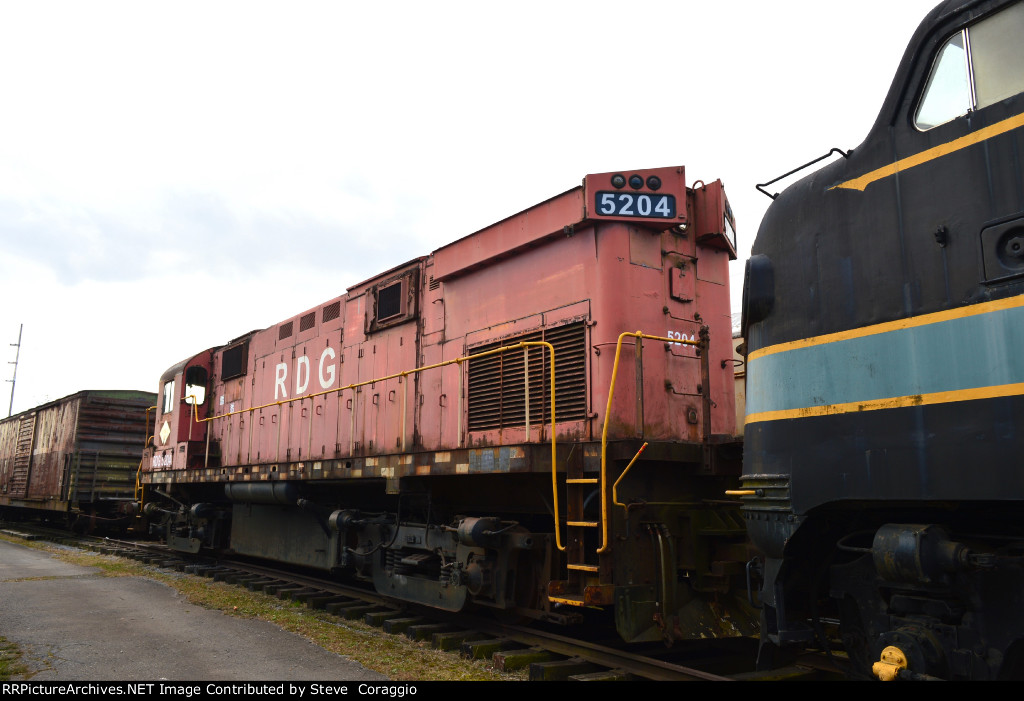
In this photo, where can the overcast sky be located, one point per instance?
(173, 175)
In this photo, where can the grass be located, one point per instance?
(11, 666)
(395, 656)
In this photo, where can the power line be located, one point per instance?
(14, 377)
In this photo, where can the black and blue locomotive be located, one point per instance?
(883, 312)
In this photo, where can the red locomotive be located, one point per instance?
(536, 418)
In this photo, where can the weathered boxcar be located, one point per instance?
(538, 417)
(75, 460)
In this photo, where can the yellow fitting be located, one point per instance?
(888, 667)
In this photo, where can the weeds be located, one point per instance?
(10, 661)
(394, 656)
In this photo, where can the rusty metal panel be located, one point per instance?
(714, 225)
(75, 452)
(8, 446)
(716, 312)
(515, 233)
(110, 434)
(559, 267)
(658, 396)
(682, 284)
(54, 437)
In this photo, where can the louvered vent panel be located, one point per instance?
(307, 322)
(233, 362)
(332, 311)
(285, 331)
(496, 396)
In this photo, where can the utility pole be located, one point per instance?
(14, 377)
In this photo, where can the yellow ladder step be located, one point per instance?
(583, 568)
(584, 524)
(582, 480)
(568, 599)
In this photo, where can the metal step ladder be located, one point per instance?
(582, 572)
(23, 456)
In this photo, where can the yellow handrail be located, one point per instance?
(604, 430)
(149, 438)
(405, 373)
(615, 487)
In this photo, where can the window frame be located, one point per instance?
(408, 301)
(169, 403)
(969, 74)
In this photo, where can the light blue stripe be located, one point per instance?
(982, 350)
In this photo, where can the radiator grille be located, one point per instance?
(496, 397)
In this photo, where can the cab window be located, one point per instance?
(997, 56)
(169, 397)
(195, 385)
(976, 67)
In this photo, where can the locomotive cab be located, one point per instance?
(180, 433)
(180, 443)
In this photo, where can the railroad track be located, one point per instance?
(543, 654)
